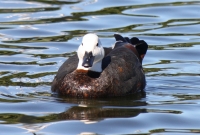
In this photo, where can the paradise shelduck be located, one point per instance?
(96, 71)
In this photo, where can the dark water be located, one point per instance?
(37, 36)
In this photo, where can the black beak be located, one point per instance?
(88, 60)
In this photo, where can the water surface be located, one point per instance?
(37, 36)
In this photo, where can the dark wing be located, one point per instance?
(140, 45)
(120, 41)
(67, 67)
(119, 38)
(124, 74)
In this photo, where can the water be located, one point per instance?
(37, 36)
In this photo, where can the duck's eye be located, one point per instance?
(97, 44)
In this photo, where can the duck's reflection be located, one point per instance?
(99, 109)
(88, 111)
(95, 113)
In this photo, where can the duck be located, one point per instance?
(97, 72)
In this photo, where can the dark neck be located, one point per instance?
(93, 74)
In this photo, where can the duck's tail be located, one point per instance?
(140, 45)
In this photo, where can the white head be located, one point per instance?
(90, 53)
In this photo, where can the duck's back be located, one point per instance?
(122, 75)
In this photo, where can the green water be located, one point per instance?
(37, 36)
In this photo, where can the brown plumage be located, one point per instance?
(122, 74)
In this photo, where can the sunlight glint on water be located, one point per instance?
(36, 37)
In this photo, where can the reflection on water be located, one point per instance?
(36, 37)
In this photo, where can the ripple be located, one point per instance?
(36, 37)
(172, 12)
(20, 4)
(26, 32)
